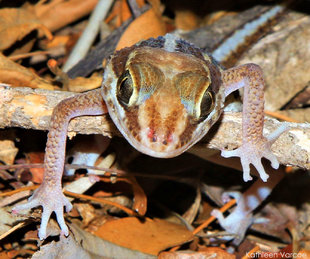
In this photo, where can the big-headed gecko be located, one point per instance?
(163, 95)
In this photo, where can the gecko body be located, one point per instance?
(163, 95)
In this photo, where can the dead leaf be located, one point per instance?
(66, 247)
(186, 20)
(140, 199)
(16, 75)
(4, 255)
(82, 84)
(210, 252)
(37, 173)
(192, 211)
(100, 247)
(86, 211)
(148, 25)
(15, 24)
(303, 254)
(8, 151)
(122, 11)
(65, 11)
(148, 236)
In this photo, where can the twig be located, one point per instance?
(27, 55)
(88, 36)
(29, 108)
(87, 197)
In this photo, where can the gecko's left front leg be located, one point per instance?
(49, 195)
(254, 147)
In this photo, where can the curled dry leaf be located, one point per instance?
(15, 24)
(16, 75)
(147, 236)
(147, 25)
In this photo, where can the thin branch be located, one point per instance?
(32, 108)
(89, 34)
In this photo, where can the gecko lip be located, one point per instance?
(160, 146)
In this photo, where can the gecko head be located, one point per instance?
(162, 101)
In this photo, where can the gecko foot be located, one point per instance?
(252, 153)
(238, 221)
(51, 199)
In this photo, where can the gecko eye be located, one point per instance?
(125, 89)
(206, 104)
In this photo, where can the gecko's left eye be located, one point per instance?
(206, 104)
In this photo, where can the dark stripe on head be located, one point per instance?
(132, 123)
(186, 136)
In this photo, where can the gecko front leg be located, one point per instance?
(49, 195)
(254, 145)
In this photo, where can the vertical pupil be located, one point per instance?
(206, 104)
(125, 90)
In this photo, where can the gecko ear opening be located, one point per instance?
(125, 89)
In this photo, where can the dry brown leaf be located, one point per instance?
(37, 173)
(122, 10)
(65, 11)
(15, 24)
(149, 236)
(303, 254)
(210, 252)
(82, 84)
(16, 75)
(186, 20)
(140, 199)
(148, 25)
(4, 255)
(8, 151)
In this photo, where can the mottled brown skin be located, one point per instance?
(162, 82)
(163, 94)
(253, 116)
(49, 195)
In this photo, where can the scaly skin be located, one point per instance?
(49, 195)
(254, 147)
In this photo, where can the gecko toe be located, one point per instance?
(260, 169)
(29, 205)
(45, 217)
(61, 221)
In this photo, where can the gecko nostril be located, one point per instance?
(165, 142)
(152, 135)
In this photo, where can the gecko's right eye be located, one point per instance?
(125, 89)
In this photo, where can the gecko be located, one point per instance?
(163, 95)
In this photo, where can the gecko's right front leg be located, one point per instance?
(49, 195)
